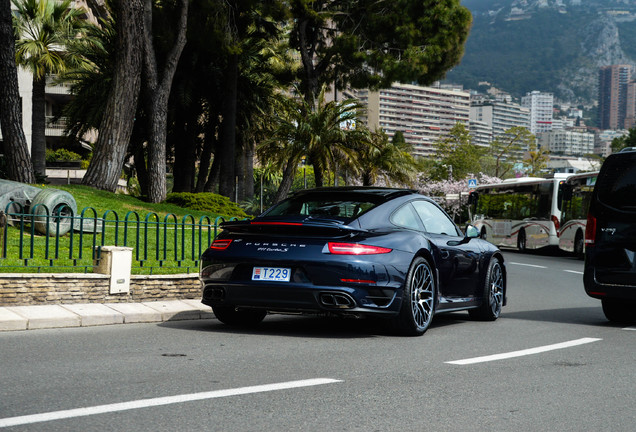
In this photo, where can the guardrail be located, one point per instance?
(38, 241)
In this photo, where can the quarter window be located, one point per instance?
(434, 219)
(405, 217)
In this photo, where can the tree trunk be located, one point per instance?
(16, 151)
(185, 153)
(119, 114)
(240, 171)
(211, 185)
(38, 128)
(158, 91)
(287, 181)
(248, 192)
(204, 164)
(227, 149)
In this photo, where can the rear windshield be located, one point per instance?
(326, 206)
(616, 184)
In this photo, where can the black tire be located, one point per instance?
(521, 241)
(418, 299)
(493, 290)
(619, 311)
(61, 207)
(239, 317)
(579, 245)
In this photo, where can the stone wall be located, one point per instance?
(23, 289)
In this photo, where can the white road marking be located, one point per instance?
(573, 271)
(527, 265)
(630, 328)
(144, 403)
(525, 352)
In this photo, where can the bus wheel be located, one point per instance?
(521, 241)
(578, 244)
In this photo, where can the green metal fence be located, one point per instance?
(38, 241)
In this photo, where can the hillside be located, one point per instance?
(549, 45)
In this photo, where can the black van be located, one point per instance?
(610, 238)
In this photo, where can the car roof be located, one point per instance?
(381, 192)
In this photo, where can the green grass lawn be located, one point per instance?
(165, 238)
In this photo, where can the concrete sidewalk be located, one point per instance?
(84, 315)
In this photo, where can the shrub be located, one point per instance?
(206, 201)
(61, 155)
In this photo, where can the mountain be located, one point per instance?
(549, 45)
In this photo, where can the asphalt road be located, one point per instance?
(551, 362)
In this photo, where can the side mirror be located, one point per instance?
(471, 233)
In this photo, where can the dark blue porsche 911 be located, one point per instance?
(358, 251)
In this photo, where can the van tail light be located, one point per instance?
(220, 244)
(590, 230)
(355, 249)
(555, 220)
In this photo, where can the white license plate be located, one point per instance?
(276, 274)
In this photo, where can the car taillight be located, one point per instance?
(590, 230)
(220, 244)
(356, 249)
(555, 220)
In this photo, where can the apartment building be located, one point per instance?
(499, 115)
(567, 142)
(540, 105)
(423, 114)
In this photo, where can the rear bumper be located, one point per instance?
(599, 290)
(307, 298)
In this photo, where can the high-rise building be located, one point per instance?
(424, 115)
(616, 97)
(541, 110)
(500, 115)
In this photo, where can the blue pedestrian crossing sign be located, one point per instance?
(472, 183)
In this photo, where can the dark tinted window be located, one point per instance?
(339, 206)
(616, 184)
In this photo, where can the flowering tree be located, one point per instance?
(452, 195)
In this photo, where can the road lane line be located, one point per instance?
(527, 265)
(168, 400)
(629, 328)
(573, 271)
(524, 352)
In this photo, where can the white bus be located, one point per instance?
(521, 213)
(575, 202)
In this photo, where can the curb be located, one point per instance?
(14, 318)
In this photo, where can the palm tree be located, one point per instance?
(43, 29)
(90, 85)
(318, 133)
(390, 160)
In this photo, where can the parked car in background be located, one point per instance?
(353, 251)
(610, 238)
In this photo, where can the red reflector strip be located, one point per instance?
(276, 223)
(361, 281)
(356, 249)
(220, 244)
(598, 293)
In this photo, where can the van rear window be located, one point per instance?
(616, 184)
